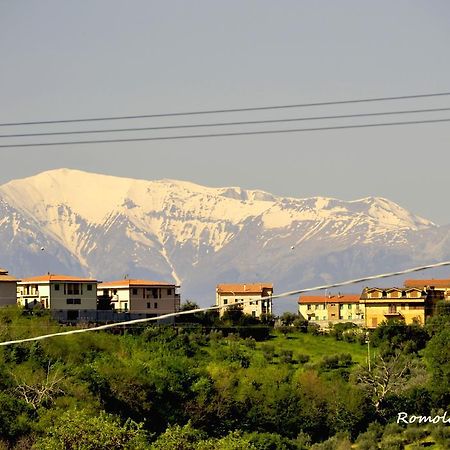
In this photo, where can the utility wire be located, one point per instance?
(219, 111)
(212, 308)
(212, 135)
(222, 124)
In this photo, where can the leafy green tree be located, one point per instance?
(79, 429)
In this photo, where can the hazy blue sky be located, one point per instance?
(65, 59)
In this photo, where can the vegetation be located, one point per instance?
(208, 384)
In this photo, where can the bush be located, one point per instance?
(302, 358)
(286, 356)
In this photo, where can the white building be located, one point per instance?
(58, 292)
(248, 296)
(8, 288)
(152, 298)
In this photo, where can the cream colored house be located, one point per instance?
(58, 292)
(331, 308)
(152, 298)
(8, 288)
(381, 304)
(247, 296)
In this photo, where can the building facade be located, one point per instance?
(152, 298)
(331, 308)
(255, 299)
(381, 304)
(8, 288)
(58, 292)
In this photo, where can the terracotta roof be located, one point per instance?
(432, 282)
(56, 277)
(133, 282)
(346, 298)
(249, 288)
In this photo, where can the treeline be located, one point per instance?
(186, 388)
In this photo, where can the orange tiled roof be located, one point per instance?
(56, 277)
(442, 283)
(248, 288)
(346, 298)
(133, 282)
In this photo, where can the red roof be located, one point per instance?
(133, 282)
(346, 298)
(250, 288)
(55, 277)
(442, 283)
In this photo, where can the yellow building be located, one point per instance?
(59, 292)
(153, 298)
(323, 309)
(247, 296)
(381, 304)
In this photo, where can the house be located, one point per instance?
(435, 290)
(59, 292)
(153, 298)
(324, 309)
(381, 304)
(246, 296)
(8, 288)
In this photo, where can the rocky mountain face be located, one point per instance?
(70, 221)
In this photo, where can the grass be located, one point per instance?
(316, 347)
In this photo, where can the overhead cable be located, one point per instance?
(230, 110)
(226, 124)
(214, 135)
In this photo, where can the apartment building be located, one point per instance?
(153, 298)
(324, 309)
(58, 292)
(255, 299)
(8, 288)
(381, 304)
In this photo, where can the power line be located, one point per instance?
(221, 124)
(219, 111)
(237, 133)
(212, 308)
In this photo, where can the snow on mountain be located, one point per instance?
(109, 226)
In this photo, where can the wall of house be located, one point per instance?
(8, 293)
(251, 303)
(49, 296)
(154, 300)
(381, 311)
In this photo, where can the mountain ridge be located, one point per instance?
(108, 226)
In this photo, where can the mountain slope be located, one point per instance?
(109, 227)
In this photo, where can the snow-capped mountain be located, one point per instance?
(78, 222)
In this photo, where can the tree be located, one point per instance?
(389, 375)
(81, 429)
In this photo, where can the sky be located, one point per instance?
(63, 59)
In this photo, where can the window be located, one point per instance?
(253, 313)
(134, 291)
(56, 287)
(77, 301)
(349, 317)
(89, 287)
(69, 301)
(169, 291)
(156, 305)
(73, 288)
(225, 301)
(148, 304)
(349, 306)
(308, 307)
